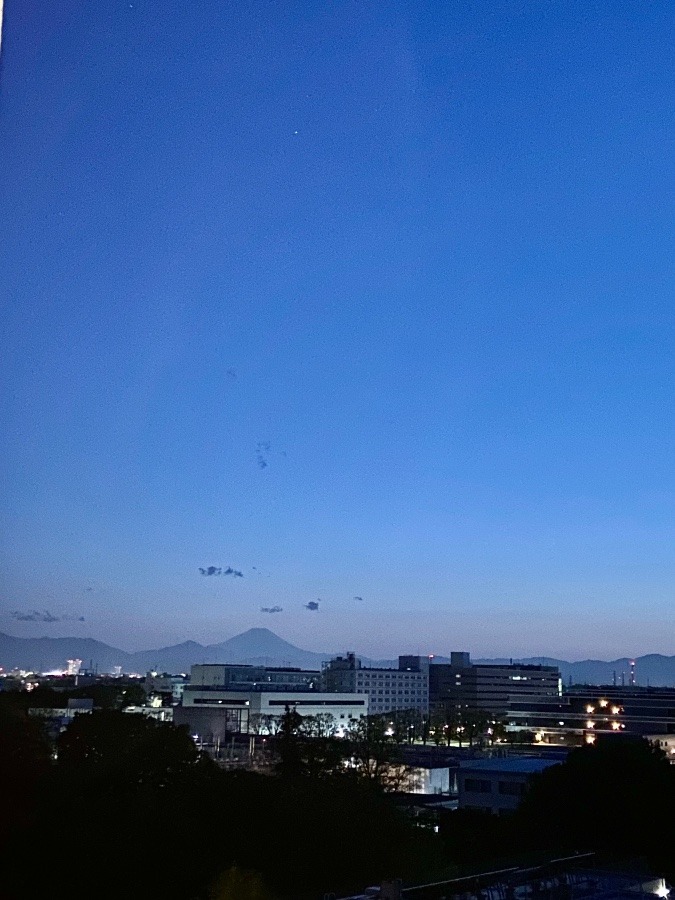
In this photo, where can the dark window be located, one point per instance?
(291, 702)
(513, 788)
(477, 786)
(219, 702)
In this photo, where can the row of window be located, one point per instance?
(484, 786)
(385, 693)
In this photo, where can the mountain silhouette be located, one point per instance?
(260, 646)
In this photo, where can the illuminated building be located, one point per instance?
(387, 690)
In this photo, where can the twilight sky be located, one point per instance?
(360, 299)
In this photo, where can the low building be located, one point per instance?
(159, 713)
(58, 719)
(214, 714)
(583, 714)
(497, 785)
(388, 690)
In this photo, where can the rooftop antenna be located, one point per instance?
(614, 677)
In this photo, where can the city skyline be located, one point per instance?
(352, 322)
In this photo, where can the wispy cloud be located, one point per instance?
(313, 605)
(36, 615)
(262, 447)
(218, 570)
(271, 609)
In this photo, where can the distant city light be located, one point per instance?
(662, 890)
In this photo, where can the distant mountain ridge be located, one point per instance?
(257, 646)
(260, 646)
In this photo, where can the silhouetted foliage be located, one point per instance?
(24, 760)
(616, 797)
(131, 811)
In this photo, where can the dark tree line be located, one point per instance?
(129, 808)
(615, 799)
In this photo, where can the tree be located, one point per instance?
(436, 731)
(496, 731)
(374, 755)
(406, 725)
(308, 746)
(614, 797)
(118, 748)
(452, 724)
(238, 884)
(288, 745)
(475, 723)
(322, 725)
(24, 761)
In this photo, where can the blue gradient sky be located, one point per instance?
(423, 250)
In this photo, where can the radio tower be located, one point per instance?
(632, 673)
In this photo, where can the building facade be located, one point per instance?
(497, 785)
(387, 690)
(212, 714)
(244, 677)
(582, 714)
(461, 684)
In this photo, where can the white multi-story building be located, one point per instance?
(73, 666)
(213, 713)
(387, 690)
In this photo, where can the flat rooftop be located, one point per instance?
(528, 765)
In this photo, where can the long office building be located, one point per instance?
(583, 714)
(460, 684)
(227, 699)
(213, 714)
(388, 690)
